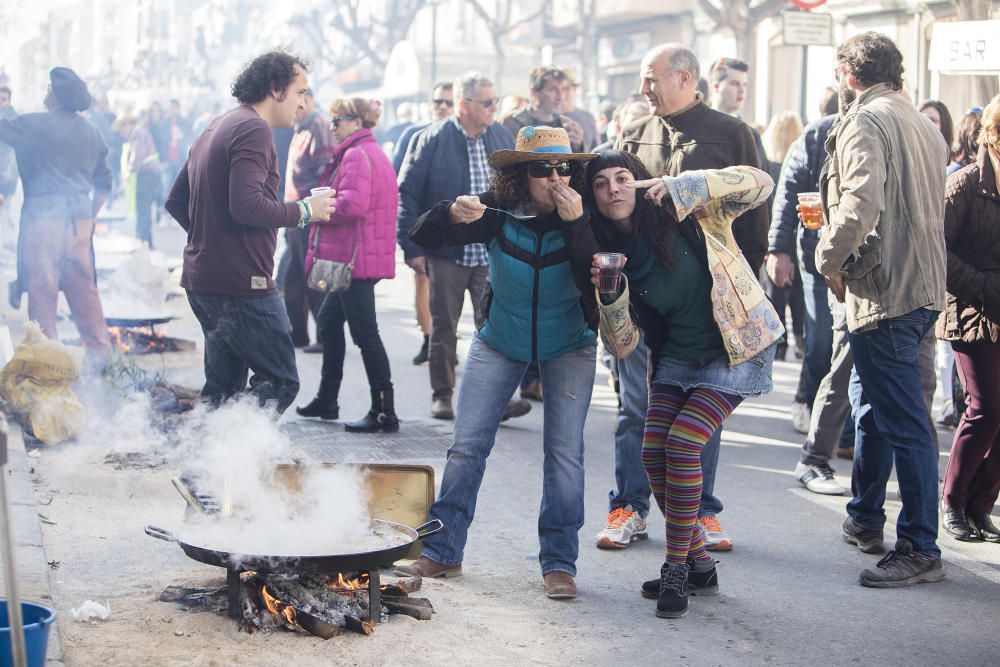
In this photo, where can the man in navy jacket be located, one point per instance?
(445, 160)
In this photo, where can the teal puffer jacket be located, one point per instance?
(540, 303)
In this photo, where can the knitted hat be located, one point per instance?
(69, 89)
(538, 143)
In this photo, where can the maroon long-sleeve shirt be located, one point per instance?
(225, 198)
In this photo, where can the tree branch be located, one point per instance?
(712, 11)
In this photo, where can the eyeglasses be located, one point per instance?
(487, 104)
(544, 169)
(838, 71)
(447, 103)
(337, 119)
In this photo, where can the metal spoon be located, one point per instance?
(521, 214)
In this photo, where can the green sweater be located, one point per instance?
(682, 296)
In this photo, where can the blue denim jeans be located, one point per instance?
(631, 482)
(243, 335)
(488, 382)
(818, 334)
(892, 425)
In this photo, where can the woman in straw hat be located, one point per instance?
(710, 331)
(540, 307)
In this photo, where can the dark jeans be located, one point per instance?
(893, 424)
(530, 375)
(356, 307)
(818, 334)
(147, 191)
(299, 299)
(973, 478)
(242, 335)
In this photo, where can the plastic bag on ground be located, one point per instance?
(36, 384)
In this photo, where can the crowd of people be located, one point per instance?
(516, 202)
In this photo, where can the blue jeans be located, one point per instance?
(710, 503)
(818, 334)
(243, 334)
(488, 382)
(892, 424)
(631, 482)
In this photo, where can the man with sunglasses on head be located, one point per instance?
(547, 89)
(446, 160)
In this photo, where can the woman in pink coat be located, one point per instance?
(364, 226)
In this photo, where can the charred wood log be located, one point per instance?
(355, 624)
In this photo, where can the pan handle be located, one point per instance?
(160, 533)
(434, 526)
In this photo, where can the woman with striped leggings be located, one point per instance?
(702, 364)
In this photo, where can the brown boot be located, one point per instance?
(559, 585)
(425, 567)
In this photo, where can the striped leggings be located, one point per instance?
(678, 424)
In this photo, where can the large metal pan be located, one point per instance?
(333, 562)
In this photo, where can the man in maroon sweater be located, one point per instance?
(225, 199)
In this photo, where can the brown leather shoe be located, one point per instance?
(425, 567)
(559, 585)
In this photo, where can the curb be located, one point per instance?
(32, 565)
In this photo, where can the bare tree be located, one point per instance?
(983, 87)
(361, 36)
(743, 17)
(500, 21)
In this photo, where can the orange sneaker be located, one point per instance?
(622, 529)
(715, 536)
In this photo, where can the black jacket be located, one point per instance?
(436, 168)
(800, 173)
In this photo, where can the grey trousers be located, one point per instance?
(833, 404)
(448, 284)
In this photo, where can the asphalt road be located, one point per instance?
(789, 591)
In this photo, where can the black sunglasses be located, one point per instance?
(487, 104)
(337, 119)
(544, 169)
(447, 103)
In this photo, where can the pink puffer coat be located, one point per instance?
(366, 192)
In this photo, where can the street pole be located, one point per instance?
(434, 44)
(8, 545)
(803, 84)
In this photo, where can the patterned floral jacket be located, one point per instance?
(714, 198)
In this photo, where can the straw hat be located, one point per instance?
(538, 143)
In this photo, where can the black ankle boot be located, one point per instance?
(382, 416)
(673, 599)
(324, 405)
(701, 583)
(422, 357)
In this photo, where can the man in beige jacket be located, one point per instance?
(883, 254)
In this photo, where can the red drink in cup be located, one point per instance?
(610, 264)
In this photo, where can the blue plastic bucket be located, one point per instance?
(37, 621)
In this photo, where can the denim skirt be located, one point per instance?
(750, 378)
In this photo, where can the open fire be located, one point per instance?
(146, 340)
(320, 605)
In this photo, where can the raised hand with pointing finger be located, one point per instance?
(656, 189)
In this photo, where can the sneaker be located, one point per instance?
(715, 536)
(903, 567)
(867, 540)
(818, 479)
(622, 529)
(800, 417)
(948, 417)
(703, 584)
(672, 601)
(516, 408)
